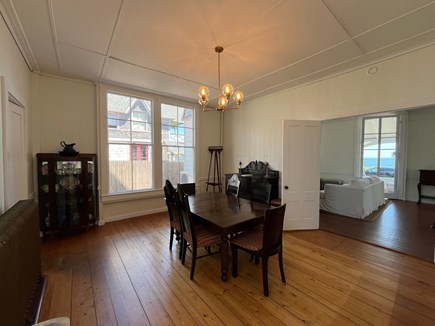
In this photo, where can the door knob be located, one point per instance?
(286, 187)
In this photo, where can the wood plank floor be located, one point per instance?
(124, 274)
(403, 226)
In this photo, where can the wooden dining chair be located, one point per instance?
(188, 188)
(175, 228)
(233, 185)
(262, 242)
(195, 235)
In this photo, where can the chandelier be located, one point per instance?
(224, 102)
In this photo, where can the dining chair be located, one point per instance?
(174, 216)
(195, 235)
(188, 188)
(260, 190)
(233, 185)
(262, 242)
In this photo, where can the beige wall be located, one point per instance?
(254, 132)
(15, 79)
(66, 112)
(67, 109)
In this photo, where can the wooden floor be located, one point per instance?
(124, 274)
(403, 226)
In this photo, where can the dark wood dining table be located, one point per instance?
(227, 215)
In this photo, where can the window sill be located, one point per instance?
(114, 198)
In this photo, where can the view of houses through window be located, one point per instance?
(129, 122)
(131, 158)
(178, 155)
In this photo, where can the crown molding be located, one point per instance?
(13, 23)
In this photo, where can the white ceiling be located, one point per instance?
(167, 46)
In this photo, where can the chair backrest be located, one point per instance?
(171, 203)
(233, 185)
(170, 187)
(260, 190)
(273, 226)
(188, 188)
(185, 214)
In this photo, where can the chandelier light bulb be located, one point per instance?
(227, 90)
(203, 93)
(222, 103)
(238, 97)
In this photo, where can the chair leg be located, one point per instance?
(171, 238)
(281, 266)
(183, 257)
(234, 254)
(265, 280)
(180, 255)
(192, 268)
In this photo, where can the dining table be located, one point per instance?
(227, 215)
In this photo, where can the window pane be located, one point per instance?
(143, 168)
(371, 141)
(170, 164)
(389, 125)
(120, 173)
(119, 131)
(118, 105)
(188, 137)
(186, 117)
(187, 173)
(371, 126)
(388, 141)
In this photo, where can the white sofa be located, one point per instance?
(357, 199)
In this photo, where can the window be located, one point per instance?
(178, 151)
(379, 149)
(130, 147)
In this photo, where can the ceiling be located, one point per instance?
(167, 46)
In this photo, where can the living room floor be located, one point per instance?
(403, 226)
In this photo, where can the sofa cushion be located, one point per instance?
(359, 182)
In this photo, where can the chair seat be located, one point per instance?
(251, 239)
(204, 237)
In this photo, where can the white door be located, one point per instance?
(15, 168)
(301, 174)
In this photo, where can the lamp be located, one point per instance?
(227, 92)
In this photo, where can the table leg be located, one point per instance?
(224, 258)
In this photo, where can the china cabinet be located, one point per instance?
(67, 192)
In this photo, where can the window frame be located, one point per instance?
(177, 128)
(103, 141)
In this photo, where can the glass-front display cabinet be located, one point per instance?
(67, 192)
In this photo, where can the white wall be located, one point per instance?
(420, 151)
(15, 77)
(337, 149)
(254, 132)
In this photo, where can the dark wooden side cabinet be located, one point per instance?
(67, 192)
(427, 178)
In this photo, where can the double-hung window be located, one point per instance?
(178, 144)
(130, 145)
(149, 139)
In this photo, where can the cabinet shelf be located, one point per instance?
(67, 192)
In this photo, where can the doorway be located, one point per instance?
(14, 165)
